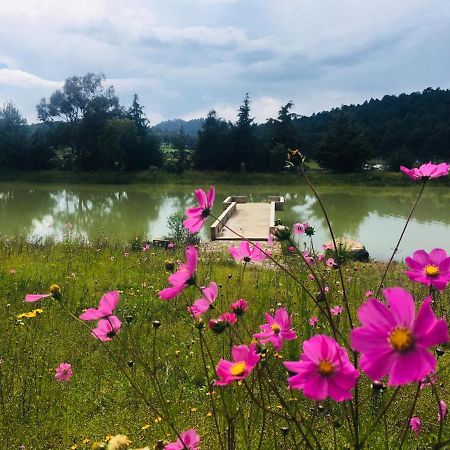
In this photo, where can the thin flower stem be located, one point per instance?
(411, 412)
(380, 416)
(399, 240)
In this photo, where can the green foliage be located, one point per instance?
(178, 234)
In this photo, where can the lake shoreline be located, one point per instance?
(318, 177)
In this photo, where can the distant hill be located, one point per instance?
(189, 127)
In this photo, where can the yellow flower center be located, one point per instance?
(54, 288)
(431, 270)
(401, 339)
(238, 368)
(325, 368)
(275, 328)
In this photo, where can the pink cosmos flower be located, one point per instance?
(430, 269)
(328, 246)
(429, 380)
(270, 240)
(313, 321)
(308, 258)
(203, 304)
(244, 361)
(427, 171)
(324, 370)
(298, 228)
(311, 277)
(277, 329)
(55, 292)
(330, 262)
(197, 216)
(245, 253)
(394, 341)
(369, 293)
(320, 257)
(106, 307)
(183, 277)
(188, 440)
(229, 318)
(63, 372)
(442, 411)
(291, 248)
(336, 310)
(107, 328)
(415, 425)
(170, 245)
(239, 307)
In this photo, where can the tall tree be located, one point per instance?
(13, 137)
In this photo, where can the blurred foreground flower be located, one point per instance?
(246, 253)
(427, 171)
(188, 440)
(106, 307)
(415, 424)
(196, 217)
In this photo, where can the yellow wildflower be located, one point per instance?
(145, 427)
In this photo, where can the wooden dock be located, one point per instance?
(253, 221)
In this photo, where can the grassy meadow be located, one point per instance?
(41, 413)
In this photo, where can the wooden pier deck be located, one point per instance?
(253, 221)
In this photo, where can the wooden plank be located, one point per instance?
(251, 220)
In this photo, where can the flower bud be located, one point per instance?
(55, 290)
(156, 324)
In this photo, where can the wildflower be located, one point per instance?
(107, 328)
(320, 257)
(313, 321)
(118, 442)
(442, 410)
(196, 217)
(308, 258)
(245, 253)
(291, 248)
(68, 225)
(277, 329)
(188, 440)
(217, 326)
(106, 307)
(336, 310)
(330, 262)
(328, 246)
(239, 307)
(145, 247)
(244, 361)
(203, 304)
(429, 269)
(309, 230)
(415, 425)
(126, 254)
(271, 240)
(427, 171)
(55, 292)
(428, 380)
(229, 318)
(324, 370)
(369, 293)
(64, 372)
(394, 341)
(12, 271)
(298, 228)
(145, 427)
(311, 277)
(183, 277)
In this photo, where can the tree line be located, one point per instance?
(83, 126)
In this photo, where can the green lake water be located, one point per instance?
(372, 215)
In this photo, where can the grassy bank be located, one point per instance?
(369, 178)
(98, 401)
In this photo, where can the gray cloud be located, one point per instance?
(184, 58)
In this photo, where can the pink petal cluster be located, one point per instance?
(298, 228)
(244, 361)
(324, 370)
(427, 171)
(30, 298)
(429, 269)
(106, 307)
(336, 310)
(313, 321)
(183, 277)
(239, 307)
(64, 372)
(246, 253)
(202, 305)
(197, 216)
(415, 424)
(277, 329)
(394, 341)
(188, 440)
(107, 328)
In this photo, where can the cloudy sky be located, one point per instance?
(185, 57)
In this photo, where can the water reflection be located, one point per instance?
(374, 216)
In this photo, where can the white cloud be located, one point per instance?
(20, 78)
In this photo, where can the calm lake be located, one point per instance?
(374, 216)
